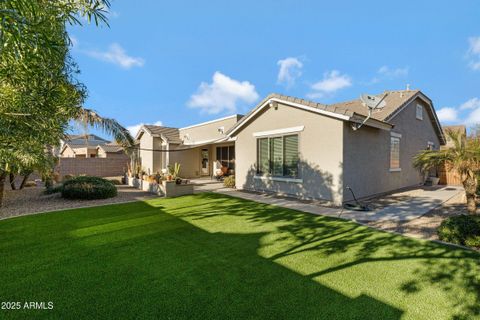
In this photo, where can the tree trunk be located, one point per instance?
(470, 185)
(12, 181)
(3, 176)
(25, 178)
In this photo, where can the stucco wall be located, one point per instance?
(208, 131)
(146, 155)
(67, 153)
(367, 153)
(189, 162)
(320, 151)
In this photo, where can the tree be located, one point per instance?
(39, 92)
(463, 157)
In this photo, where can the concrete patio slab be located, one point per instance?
(401, 206)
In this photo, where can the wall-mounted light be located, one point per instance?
(273, 104)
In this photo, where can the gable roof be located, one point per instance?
(394, 100)
(111, 147)
(353, 110)
(70, 137)
(171, 134)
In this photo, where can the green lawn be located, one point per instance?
(212, 256)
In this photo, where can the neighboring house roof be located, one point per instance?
(84, 137)
(352, 110)
(456, 128)
(110, 147)
(171, 134)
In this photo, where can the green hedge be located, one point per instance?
(463, 229)
(85, 187)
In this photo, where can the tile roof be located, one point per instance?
(172, 134)
(394, 100)
(458, 128)
(111, 147)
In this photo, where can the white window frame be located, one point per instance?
(419, 112)
(398, 137)
(430, 145)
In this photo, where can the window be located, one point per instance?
(419, 112)
(394, 153)
(278, 156)
(226, 156)
(430, 145)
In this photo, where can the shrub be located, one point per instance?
(67, 177)
(229, 182)
(463, 229)
(53, 189)
(86, 187)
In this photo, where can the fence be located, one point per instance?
(448, 176)
(99, 167)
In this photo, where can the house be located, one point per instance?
(305, 149)
(459, 129)
(111, 150)
(87, 146)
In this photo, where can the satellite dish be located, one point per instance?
(373, 102)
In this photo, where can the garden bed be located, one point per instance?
(33, 200)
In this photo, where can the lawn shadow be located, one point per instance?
(441, 266)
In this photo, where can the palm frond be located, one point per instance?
(121, 135)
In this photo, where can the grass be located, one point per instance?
(211, 256)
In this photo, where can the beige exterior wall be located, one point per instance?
(320, 151)
(189, 162)
(78, 152)
(146, 156)
(67, 153)
(367, 153)
(118, 155)
(209, 131)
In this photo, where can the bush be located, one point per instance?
(67, 177)
(85, 187)
(229, 182)
(463, 229)
(53, 189)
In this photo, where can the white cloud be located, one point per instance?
(468, 112)
(134, 129)
(393, 73)
(470, 104)
(223, 94)
(117, 55)
(473, 53)
(447, 114)
(474, 117)
(290, 70)
(332, 82)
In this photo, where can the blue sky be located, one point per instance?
(184, 62)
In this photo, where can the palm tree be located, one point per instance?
(463, 157)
